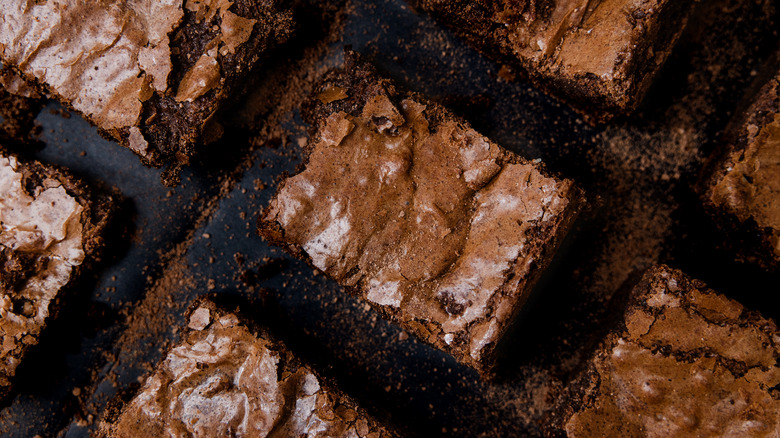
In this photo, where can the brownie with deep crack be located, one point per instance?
(742, 190)
(600, 57)
(51, 228)
(150, 74)
(227, 377)
(683, 361)
(439, 229)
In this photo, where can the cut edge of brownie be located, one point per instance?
(100, 206)
(358, 74)
(219, 307)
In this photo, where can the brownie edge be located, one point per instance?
(436, 227)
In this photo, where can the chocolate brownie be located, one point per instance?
(684, 361)
(600, 57)
(743, 179)
(52, 227)
(228, 378)
(431, 223)
(150, 74)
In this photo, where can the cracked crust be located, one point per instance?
(685, 361)
(149, 74)
(436, 227)
(227, 377)
(600, 57)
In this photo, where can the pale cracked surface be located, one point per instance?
(440, 227)
(689, 364)
(103, 58)
(223, 380)
(43, 230)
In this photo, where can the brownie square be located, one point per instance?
(683, 361)
(229, 378)
(52, 226)
(742, 190)
(150, 74)
(438, 228)
(599, 57)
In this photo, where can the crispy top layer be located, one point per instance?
(107, 58)
(104, 58)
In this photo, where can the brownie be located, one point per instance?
(229, 378)
(742, 190)
(438, 228)
(150, 74)
(599, 57)
(683, 361)
(52, 226)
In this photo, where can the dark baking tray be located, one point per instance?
(171, 245)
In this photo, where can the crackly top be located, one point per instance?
(107, 59)
(40, 243)
(223, 380)
(690, 363)
(750, 187)
(431, 223)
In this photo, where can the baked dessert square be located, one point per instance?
(51, 227)
(742, 190)
(599, 57)
(439, 229)
(229, 378)
(683, 361)
(151, 75)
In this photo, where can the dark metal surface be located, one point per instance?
(200, 237)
